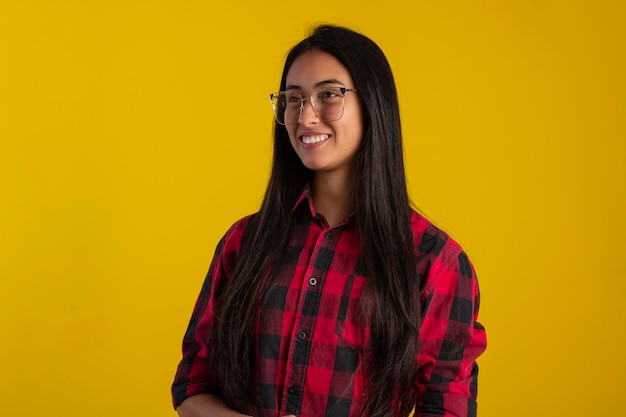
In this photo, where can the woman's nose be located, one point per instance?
(308, 114)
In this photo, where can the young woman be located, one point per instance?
(336, 298)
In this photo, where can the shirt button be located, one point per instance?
(301, 335)
(328, 235)
(292, 390)
(313, 281)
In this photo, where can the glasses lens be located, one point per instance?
(278, 105)
(287, 107)
(329, 103)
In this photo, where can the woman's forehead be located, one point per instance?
(314, 68)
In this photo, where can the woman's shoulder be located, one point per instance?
(431, 241)
(441, 260)
(235, 232)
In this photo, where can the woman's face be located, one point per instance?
(324, 146)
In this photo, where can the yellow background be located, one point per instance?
(133, 133)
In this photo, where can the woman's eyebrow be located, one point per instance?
(331, 81)
(324, 82)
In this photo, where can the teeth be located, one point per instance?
(314, 139)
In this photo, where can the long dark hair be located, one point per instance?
(383, 216)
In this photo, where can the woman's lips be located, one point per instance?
(311, 139)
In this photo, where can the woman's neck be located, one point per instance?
(332, 196)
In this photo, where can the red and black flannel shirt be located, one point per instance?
(310, 343)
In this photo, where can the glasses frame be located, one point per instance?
(302, 98)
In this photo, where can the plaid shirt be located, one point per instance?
(310, 343)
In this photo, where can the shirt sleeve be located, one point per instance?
(450, 338)
(193, 375)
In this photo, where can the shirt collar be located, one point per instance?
(306, 195)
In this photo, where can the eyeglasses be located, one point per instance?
(327, 103)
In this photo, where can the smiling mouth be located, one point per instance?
(313, 139)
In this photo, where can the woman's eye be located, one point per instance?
(293, 100)
(328, 95)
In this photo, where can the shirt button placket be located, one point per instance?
(304, 335)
